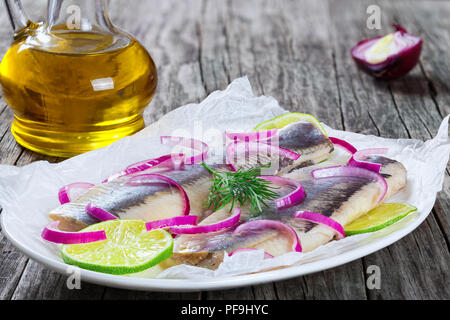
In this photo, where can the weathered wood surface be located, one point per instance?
(298, 52)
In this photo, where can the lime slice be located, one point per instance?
(287, 118)
(129, 248)
(379, 218)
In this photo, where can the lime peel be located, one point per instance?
(378, 218)
(129, 248)
(283, 120)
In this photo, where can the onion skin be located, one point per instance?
(322, 220)
(358, 159)
(261, 224)
(53, 234)
(99, 213)
(396, 65)
(295, 197)
(64, 194)
(343, 144)
(224, 224)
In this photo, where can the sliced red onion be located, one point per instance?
(229, 222)
(248, 146)
(347, 171)
(252, 136)
(262, 224)
(321, 219)
(343, 144)
(99, 213)
(357, 160)
(388, 57)
(175, 221)
(266, 255)
(50, 233)
(72, 191)
(166, 162)
(194, 144)
(291, 199)
(143, 179)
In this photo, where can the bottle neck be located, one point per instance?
(79, 15)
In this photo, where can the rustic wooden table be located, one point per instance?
(298, 52)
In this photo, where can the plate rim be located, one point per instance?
(194, 285)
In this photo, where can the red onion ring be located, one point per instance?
(343, 144)
(235, 146)
(347, 171)
(229, 222)
(99, 213)
(266, 255)
(194, 144)
(291, 199)
(57, 236)
(357, 160)
(72, 191)
(168, 162)
(251, 136)
(175, 221)
(134, 181)
(273, 224)
(321, 219)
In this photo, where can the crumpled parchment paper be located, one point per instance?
(28, 193)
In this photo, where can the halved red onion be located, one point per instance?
(357, 160)
(261, 224)
(227, 223)
(343, 144)
(175, 221)
(194, 144)
(165, 163)
(50, 233)
(388, 57)
(73, 191)
(251, 136)
(148, 178)
(347, 171)
(99, 213)
(321, 219)
(266, 255)
(291, 199)
(248, 146)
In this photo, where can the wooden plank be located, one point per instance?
(344, 282)
(434, 29)
(411, 112)
(38, 282)
(168, 29)
(427, 100)
(12, 263)
(442, 208)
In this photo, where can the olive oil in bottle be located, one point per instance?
(73, 91)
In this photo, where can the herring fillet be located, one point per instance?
(156, 202)
(301, 137)
(344, 199)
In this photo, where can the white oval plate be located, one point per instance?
(374, 242)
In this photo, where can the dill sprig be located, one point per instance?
(242, 187)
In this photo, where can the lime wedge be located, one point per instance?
(129, 248)
(379, 218)
(287, 118)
